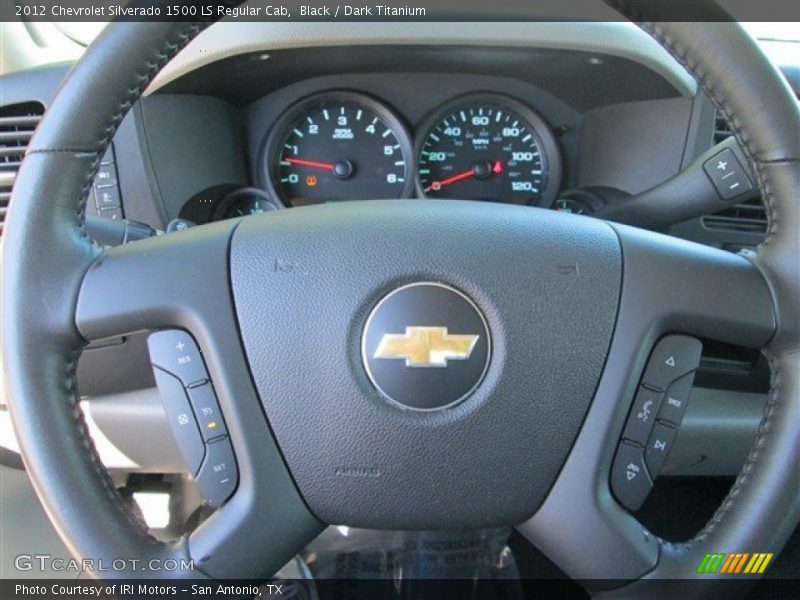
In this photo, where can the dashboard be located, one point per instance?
(512, 113)
(503, 113)
(342, 145)
(414, 122)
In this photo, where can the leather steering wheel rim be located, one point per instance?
(48, 251)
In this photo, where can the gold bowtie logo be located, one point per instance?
(426, 346)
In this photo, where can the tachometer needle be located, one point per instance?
(309, 163)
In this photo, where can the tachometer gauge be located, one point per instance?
(338, 146)
(488, 147)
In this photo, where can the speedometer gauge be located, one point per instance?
(338, 146)
(488, 147)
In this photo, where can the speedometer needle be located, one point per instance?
(437, 185)
(309, 163)
(481, 170)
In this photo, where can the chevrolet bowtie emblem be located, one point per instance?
(426, 346)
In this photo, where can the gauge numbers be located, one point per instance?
(340, 146)
(486, 148)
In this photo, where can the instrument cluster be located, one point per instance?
(343, 145)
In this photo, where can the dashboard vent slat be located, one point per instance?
(722, 129)
(748, 216)
(24, 120)
(17, 124)
(6, 151)
(15, 136)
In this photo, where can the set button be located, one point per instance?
(219, 475)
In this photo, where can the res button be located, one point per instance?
(176, 352)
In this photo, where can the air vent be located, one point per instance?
(17, 123)
(722, 129)
(748, 216)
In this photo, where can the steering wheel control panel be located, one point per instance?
(655, 416)
(193, 412)
(104, 195)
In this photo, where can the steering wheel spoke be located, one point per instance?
(669, 286)
(176, 280)
(674, 285)
(181, 280)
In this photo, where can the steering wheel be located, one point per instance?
(564, 309)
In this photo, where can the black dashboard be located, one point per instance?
(499, 124)
(351, 143)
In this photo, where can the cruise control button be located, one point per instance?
(675, 400)
(643, 415)
(673, 356)
(204, 402)
(176, 352)
(727, 175)
(218, 476)
(181, 419)
(658, 446)
(630, 480)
